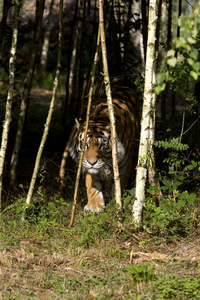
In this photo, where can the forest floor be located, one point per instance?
(41, 258)
(49, 261)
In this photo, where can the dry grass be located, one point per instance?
(56, 267)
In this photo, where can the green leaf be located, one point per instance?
(181, 42)
(190, 61)
(172, 61)
(170, 53)
(180, 204)
(132, 192)
(167, 182)
(194, 75)
(196, 66)
(160, 78)
(160, 88)
(191, 40)
(177, 184)
(194, 54)
(192, 198)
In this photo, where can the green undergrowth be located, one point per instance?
(41, 258)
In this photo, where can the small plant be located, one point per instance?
(142, 272)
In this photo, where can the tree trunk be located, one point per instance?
(144, 28)
(51, 108)
(153, 179)
(82, 60)
(24, 101)
(76, 67)
(169, 25)
(6, 7)
(145, 140)
(127, 34)
(70, 63)
(8, 113)
(46, 38)
(173, 97)
(111, 113)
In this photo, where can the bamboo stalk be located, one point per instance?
(111, 115)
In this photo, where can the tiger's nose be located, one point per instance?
(92, 162)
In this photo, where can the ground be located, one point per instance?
(49, 261)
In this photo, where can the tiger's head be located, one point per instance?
(98, 149)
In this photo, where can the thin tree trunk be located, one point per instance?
(76, 67)
(153, 179)
(111, 113)
(51, 108)
(127, 33)
(70, 63)
(82, 60)
(24, 101)
(8, 113)
(96, 58)
(169, 25)
(173, 97)
(144, 28)
(46, 38)
(141, 173)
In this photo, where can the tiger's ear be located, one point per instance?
(77, 124)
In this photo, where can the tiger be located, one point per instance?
(97, 160)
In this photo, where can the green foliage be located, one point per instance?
(173, 144)
(174, 216)
(142, 272)
(180, 168)
(95, 227)
(181, 64)
(175, 287)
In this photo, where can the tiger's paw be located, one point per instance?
(95, 207)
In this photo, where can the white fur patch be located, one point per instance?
(120, 151)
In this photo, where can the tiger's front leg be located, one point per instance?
(94, 193)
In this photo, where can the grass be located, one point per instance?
(42, 259)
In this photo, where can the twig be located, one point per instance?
(111, 115)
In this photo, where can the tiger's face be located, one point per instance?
(98, 152)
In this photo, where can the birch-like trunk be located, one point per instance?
(111, 113)
(46, 38)
(144, 28)
(96, 59)
(24, 100)
(51, 108)
(153, 179)
(8, 113)
(141, 173)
